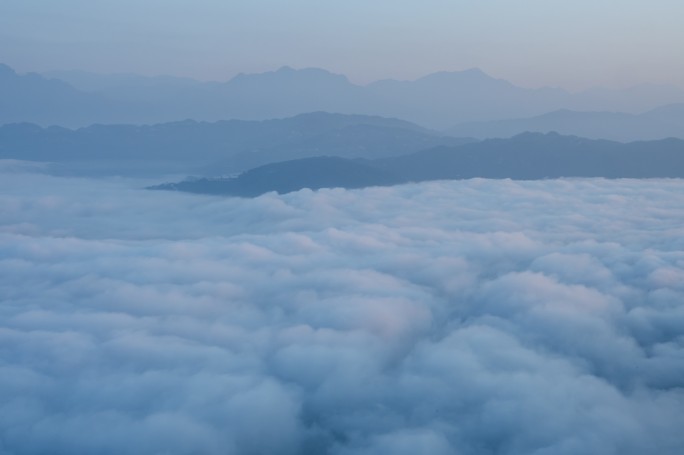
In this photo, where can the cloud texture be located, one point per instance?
(471, 317)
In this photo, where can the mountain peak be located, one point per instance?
(474, 71)
(287, 73)
(469, 76)
(6, 70)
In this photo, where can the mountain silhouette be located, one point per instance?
(529, 156)
(32, 97)
(285, 177)
(215, 148)
(439, 100)
(663, 122)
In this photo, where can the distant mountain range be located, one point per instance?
(216, 148)
(528, 156)
(439, 100)
(662, 122)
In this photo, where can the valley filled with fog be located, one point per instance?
(341, 228)
(447, 317)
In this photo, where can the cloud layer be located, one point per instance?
(471, 317)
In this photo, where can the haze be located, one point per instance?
(341, 227)
(532, 43)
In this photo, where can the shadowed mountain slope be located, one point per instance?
(285, 177)
(216, 148)
(537, 156)
(529, 156)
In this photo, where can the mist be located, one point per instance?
(461, 317)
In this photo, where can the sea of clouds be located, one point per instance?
(464, 317)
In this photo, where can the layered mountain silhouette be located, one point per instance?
(531, 156)
(216, 148)
(31, 97)
(439, 100)
(284, 177)
(662, 122)
(528, 156)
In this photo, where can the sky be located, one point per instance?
(464, 317)
(571, 44)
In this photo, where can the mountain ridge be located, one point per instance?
(661, 122)
(528, 156)
(439, 100)
(222, 147)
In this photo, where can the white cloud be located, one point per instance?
(468, 317)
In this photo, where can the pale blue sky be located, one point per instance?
(573, 44)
